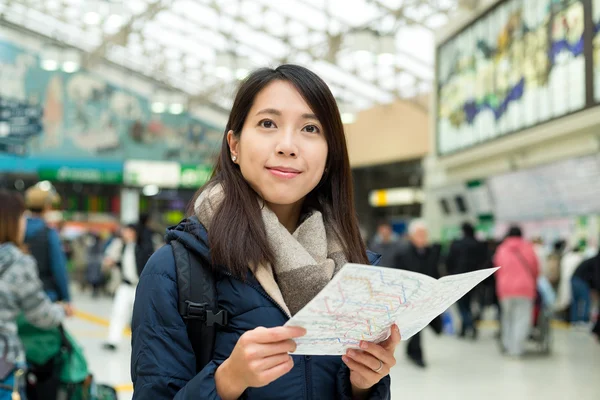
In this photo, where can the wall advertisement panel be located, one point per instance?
(74, 117)
(520, 64)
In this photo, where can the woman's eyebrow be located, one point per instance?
(269, 111)
(278, 113)
(310, 116)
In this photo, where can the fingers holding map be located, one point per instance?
(362, 302)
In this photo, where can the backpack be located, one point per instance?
(198, 302)
(38, 246)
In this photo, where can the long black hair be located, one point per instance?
(237, 234)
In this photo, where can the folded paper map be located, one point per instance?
(362, 302)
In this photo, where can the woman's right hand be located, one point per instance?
(259, 357)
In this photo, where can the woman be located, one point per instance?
(20, 288)
(279, 218)
(516, 285)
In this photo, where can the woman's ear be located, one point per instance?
(233, 143)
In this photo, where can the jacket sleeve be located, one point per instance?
(32, 300)
(58, 264)
(163, 365)
(381, 391)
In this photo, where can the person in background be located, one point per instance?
(516, 284)
(569, 263)
(466, 254)
(80, 258)
(44, 242)
(21, 291)
(541, 253)
(416, 255)
(596, 330)
(145, 239)
(585, 279)
(123, 254)
(553, 263)
(386, 244)
(489, 296)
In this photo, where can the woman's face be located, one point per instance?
(282, 150)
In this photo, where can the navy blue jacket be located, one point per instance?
(162, 361)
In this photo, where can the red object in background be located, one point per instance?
(115, 204)
(155, 127)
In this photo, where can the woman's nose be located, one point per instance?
(287, 145)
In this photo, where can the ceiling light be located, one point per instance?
(49, 65)
(176, 109)
(150, 190)
(91, 18)
(348, 118)
(228, 64)
(71, 61)
(158, 107)
(69, 67)
(242, 73)
(222, 72)
(363, 54)
(49, 58)
(52, 4)
(386, 59)
(114, 21)
(177, 103)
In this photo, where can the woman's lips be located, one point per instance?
(285, 173)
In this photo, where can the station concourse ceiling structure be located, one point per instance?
(368, 51)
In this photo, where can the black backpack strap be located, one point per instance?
(197, 302)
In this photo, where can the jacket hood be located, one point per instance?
(191, 233)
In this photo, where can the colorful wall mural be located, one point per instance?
(519, 65)
(58, 116)
(596, 48)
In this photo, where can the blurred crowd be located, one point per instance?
(105, 262)
(533, 286)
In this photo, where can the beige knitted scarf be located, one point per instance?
(305, 261)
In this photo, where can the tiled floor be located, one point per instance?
(460, 370)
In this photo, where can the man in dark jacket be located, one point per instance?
(44, 242)
(466, 254)
(585, 279)
(418, 256)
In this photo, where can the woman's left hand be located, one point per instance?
(369, 365)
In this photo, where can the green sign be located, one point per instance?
(83, 175)
(194, 176)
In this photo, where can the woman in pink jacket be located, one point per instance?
(516, 283)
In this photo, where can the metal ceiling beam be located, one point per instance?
(326, 47)
(122, 35)
(309, 51)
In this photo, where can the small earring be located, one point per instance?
(234, 158)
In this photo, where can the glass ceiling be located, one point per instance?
(202, 47)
